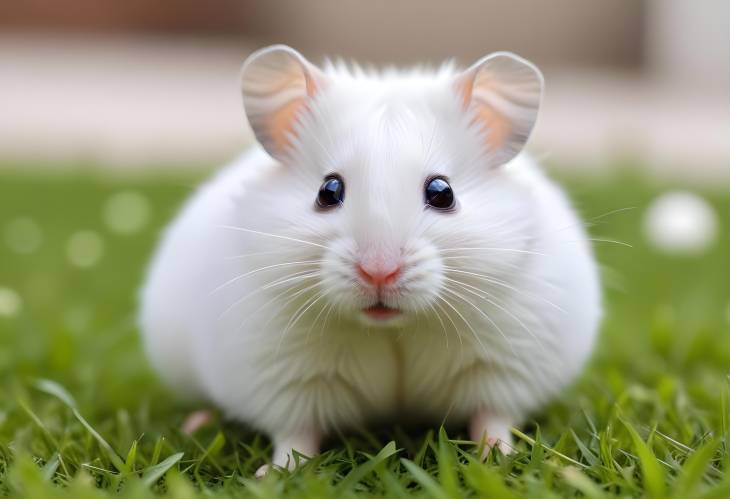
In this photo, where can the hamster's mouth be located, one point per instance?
(381, 312)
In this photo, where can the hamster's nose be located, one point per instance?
(378, 275)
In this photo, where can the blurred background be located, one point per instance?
(144, 83)
(112, 112)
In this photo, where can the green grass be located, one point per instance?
(648, 419)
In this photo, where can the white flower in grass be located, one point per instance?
(85, 248)
(126, 212)
(680, 223)
(10, 302)
(23, 235)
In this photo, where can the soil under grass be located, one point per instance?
(82, 415)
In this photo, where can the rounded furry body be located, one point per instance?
(252, 302)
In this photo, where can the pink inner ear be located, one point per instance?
(312, 87)
(282, 121)
(496, 126)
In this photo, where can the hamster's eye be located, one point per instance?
(438, 194)
(331, 193)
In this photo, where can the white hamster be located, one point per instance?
(385, 252)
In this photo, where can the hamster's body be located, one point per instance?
(238, 309)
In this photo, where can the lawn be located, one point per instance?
(82, 415)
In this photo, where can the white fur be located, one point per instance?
(253, 302)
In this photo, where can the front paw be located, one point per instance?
(491, 431)
(503, 444)
(306, 443)
(197, 420)
(264, 470)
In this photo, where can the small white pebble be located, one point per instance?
(10, 303)
(23, 235)
(126, 212)
(680, 223)
(85, 248)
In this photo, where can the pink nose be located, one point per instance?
(378, 276)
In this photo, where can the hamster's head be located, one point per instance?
(397, 180)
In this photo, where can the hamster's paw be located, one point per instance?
(492, 430)
(197, 420)
(263, 470)
(505, 446)
(306, 443)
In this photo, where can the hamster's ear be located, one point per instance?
(277, 82)
(504, 93)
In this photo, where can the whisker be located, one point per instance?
(496, 304)
(261, 269)
(294, 277)
(297, 315)
(494, 277)
(456, 329)
(611, 241)
(512, 250)
(291, 298)
(589, 222)
(269, 234)
(314, 321)
(474, 333)
(498, 267)
(498, 282)
(305, 274)
(489, 319)
(326, 319)
(294, 295)
(443, 326)
(612, 212)
(257, 253)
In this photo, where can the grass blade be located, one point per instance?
(50, 468)
(154, 473)
(360, 472)
(54, 389)
(694, 469)
(653, 475)
(428, 483)
(447, 465)
(576, 479)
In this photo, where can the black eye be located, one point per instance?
(332, 192)
(439, 194)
